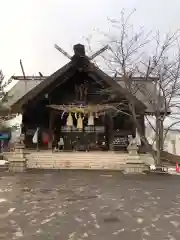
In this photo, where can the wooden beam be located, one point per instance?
(29, 78)
(50, 130)
(99, 52)
(96, 79)
(22, 68)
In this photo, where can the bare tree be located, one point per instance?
(4, 111)
(135, 53)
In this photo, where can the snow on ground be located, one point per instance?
(2, 162)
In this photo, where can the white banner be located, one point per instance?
(35, 137)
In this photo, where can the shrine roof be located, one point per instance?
(25, 90)
(21, 88)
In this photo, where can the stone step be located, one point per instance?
(72, 156)
(78, 154)
(75, 159)
(78, 160)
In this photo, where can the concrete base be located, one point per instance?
(134, 163)
(134, 159)
(17, 166)
(147, 159)
(17, 161)
(133, 168)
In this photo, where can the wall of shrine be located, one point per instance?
(78, 115)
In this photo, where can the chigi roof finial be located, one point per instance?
(79, 50)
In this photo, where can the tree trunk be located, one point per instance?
(161, 135)
(158, 147)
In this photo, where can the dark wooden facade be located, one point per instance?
(81, 86)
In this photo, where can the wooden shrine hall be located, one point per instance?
(72, 109)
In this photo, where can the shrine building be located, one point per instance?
(79, 103)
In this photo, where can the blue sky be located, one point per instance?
(30, 28)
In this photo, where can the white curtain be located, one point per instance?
(15, 135)
(138, 139)
(35, 137)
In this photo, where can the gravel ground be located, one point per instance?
(89, 205)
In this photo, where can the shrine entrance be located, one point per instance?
(80, 128)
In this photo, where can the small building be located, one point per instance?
(171, 142)
(75, 104)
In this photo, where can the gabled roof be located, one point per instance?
(19, 90)
(73, 64)
(145, 91)
(33, 92)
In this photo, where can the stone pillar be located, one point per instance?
(133, 163)
(17, 161)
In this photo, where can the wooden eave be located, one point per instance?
(115, 86)
(17, 107)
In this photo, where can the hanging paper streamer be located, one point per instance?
(70, 120)
(79, 122)
(91, 120)
(35, 137)
(62, 115)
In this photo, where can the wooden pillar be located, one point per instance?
(22, 124)
(143, 132)
(110, 124)
(23, 127)
(50, 129)
(142, 125)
